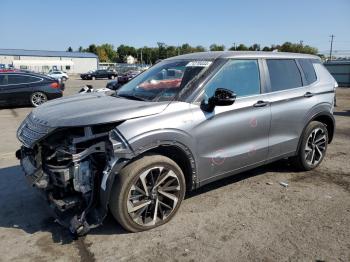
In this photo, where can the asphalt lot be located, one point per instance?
(245, 217)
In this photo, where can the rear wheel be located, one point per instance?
(147, 193)
(38, 98)
(313, 147)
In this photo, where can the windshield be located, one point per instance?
(163, 81)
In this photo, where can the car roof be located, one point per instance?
(212, 55)
(25, 73)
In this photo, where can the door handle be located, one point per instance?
(261, 103)
(308, 94)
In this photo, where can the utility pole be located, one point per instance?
(331, 50)
(234, 46)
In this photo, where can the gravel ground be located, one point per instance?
(245, 217)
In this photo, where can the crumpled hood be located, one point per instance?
(93, 108)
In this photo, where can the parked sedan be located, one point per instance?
(20, 88)
(58, 75)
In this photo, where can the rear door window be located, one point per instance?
(284, 74)
(309, 71)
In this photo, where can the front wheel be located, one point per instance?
(147, 193)
(313, 147)
(38, 98)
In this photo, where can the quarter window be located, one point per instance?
(284, 74)
(308, 69)
(240, 76)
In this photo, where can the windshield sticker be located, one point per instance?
(199, 63)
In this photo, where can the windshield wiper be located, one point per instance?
(131, 96)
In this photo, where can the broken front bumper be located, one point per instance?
(77, 192)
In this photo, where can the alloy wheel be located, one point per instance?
(154, 196)
(315, 146)
(38, 98)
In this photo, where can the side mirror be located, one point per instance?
(222, 97)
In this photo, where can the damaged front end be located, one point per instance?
(74, 167)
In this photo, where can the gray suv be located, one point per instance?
(187, 121)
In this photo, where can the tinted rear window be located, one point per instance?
(308, 69)
(21, 79)
(284, 74)
(3, 79)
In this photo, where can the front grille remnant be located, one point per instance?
(31, 130)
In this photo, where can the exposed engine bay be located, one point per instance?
(71, 166)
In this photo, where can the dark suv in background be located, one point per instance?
(99, 74)
(22, 88)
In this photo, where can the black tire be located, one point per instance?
(64, 78)
(130, 176)
(300, 161)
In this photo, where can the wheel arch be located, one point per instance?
(324, 117)
(181, 155)
(176, 151)
(328, 120)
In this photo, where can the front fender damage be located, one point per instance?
(75, 169)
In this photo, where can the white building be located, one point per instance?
(44, 61)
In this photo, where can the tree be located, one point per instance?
(241, 47)
(266, 48)
(171, 51)
(150, 55)
(92, 49)
(186, 49)
(124, 51)
(111, 53)
(199, 48)
(297, 48)
(309, 50)
(161, 50)
(215, 47)
(232, 48)
(254, 47)
(102, 54)
(70, 49)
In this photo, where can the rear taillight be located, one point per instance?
(55, 85)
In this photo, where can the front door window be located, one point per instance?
(240, 76)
